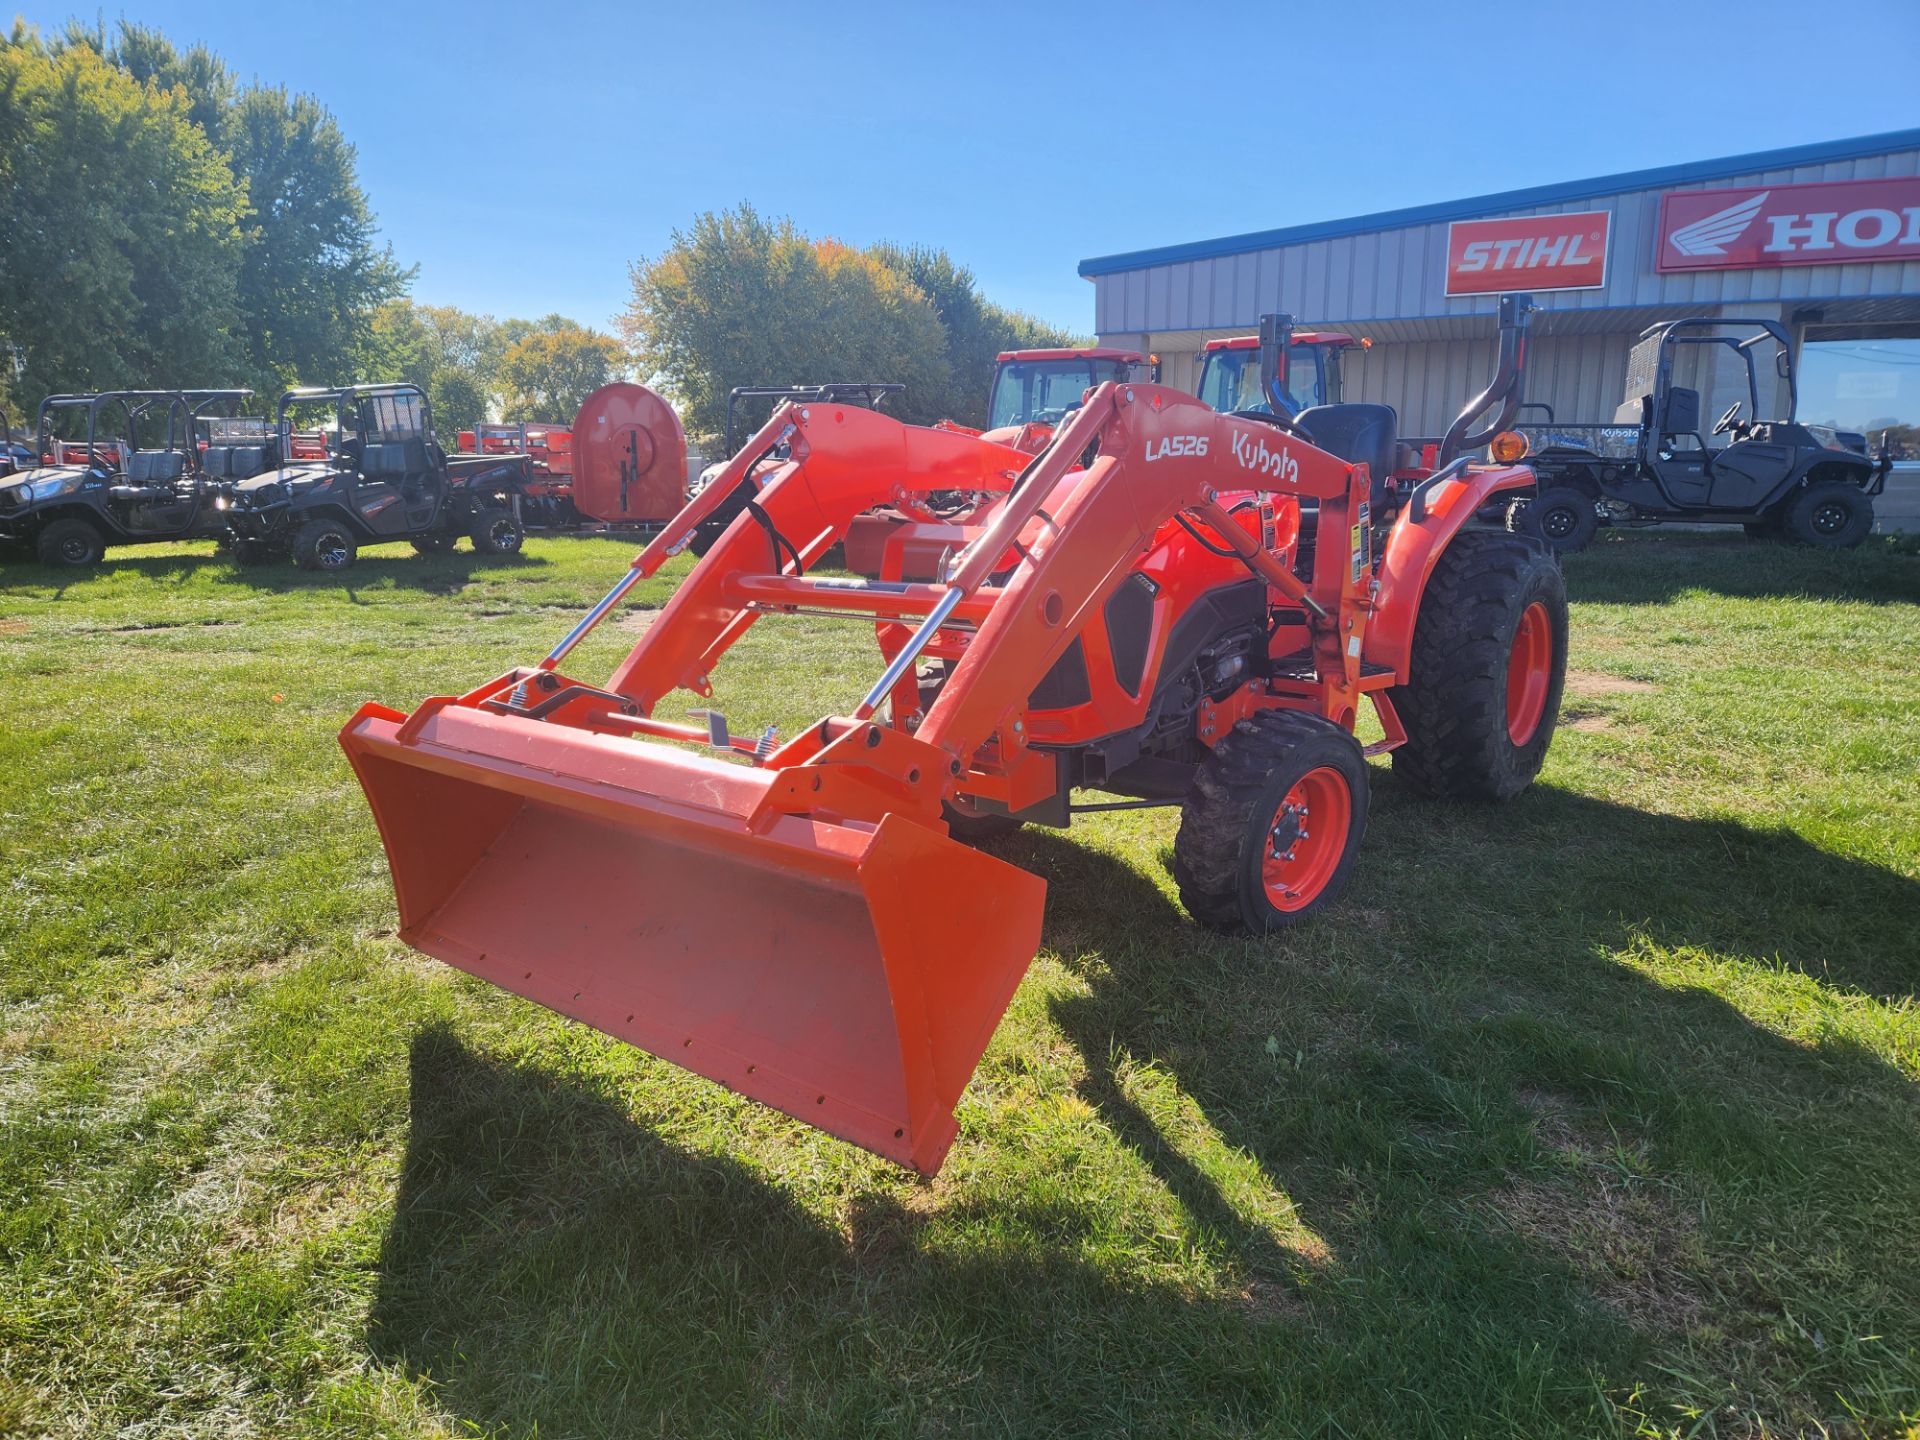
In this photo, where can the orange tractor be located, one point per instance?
(1166, 605)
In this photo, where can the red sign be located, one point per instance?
(1829, 222)
(1528, 252)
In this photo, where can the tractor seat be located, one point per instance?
(1360, 434)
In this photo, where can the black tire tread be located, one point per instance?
(1218, 808)
(47, 543)
(1454, 703)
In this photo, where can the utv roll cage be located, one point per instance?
(183, 410)
(350, 415)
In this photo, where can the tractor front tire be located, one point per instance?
(324, 545)
(1488, 665)
(496, 532)
(1835, 515)
(70, 545)
(1561, 517)
(1270, 828)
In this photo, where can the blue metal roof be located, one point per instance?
(1479, 205)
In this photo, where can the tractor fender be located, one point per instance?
(1414, 547)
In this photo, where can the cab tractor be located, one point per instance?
(1230, 376)
(1044, 386)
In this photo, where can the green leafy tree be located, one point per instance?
(311, 272)
(737, 299)
(547, 374)
(122, 237)
(450, 353)
(977, 330)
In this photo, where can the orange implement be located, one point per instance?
(794, 919)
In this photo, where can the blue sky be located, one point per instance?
(523, 155)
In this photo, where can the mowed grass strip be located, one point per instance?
(1593, 1114)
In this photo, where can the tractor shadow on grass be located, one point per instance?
(1500, 1130)
(1651, 569)
(553, 1265)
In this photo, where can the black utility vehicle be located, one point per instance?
(372, 473)
(1657, 463)
(95, 485)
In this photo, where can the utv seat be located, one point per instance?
(150, 476)
(216, 462)
(245, 461)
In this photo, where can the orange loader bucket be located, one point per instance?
(849, 974)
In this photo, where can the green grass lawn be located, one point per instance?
(1595, 1114)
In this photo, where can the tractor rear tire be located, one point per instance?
(1831, 516)
(1488, 665)
(496, 531)
(433, 544)
(1269, 830)
(70, 545)
(1561, 517)
(324, 545)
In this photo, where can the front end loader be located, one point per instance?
(1165, 605)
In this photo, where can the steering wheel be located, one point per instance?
(1725, 422)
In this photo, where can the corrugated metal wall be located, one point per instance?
(1580, 376)
(1394, 274)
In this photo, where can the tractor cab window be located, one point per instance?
(1043, 390)
(1230, 380)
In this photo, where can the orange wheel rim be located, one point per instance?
(1306, 838)
(1529, 671)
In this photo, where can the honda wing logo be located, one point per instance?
(1823, 222)
(1712, 235)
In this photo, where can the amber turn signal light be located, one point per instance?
(1509, 447)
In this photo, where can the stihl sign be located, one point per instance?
(1528, 252)
(1827, 223)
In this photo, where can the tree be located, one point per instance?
(122, 227)
(547, 374)
(977, 330)
(311, 274)
(738, 299)
(450, 353)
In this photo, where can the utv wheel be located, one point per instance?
(323, 545)
(1833, 516)
(1560, 517)
(497, 532)
(1489, 660)
(250, 554)
(1269, 831)
(433, 544)
(70, 544)
(975, 827)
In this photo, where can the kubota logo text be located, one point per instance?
(1269, 464)
(1194, 445)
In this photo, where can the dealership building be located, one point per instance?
(1823, 239)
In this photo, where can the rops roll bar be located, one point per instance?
(1506, 388)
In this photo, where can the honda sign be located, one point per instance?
(1528, 252)
(1830, 222)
